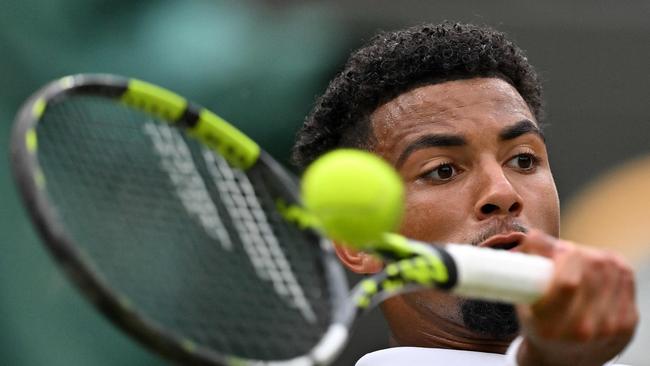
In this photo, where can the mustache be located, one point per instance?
(498, 227)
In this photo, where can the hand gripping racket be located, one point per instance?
(166, 217)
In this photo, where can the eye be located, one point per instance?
(441, 173)
(524, 162)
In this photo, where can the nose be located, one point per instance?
(497, 195)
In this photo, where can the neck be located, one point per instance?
(417, 325)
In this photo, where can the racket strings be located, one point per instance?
(258, 238)
(177, 160)
(192, 244)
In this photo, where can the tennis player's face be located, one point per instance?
(475, 165)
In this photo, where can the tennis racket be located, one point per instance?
(178, 228)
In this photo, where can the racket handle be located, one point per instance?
(499, 275)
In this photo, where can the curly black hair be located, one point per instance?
(395, 62)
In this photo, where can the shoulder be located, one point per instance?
(416, 356)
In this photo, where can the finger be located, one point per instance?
(627, 312)
(540, 243)
(595, 299)
(549, 314)
(611, 302)
(615, 291)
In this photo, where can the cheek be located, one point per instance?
(542, 208)
(431, 216)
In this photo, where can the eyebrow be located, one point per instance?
(446, 140)
(520, 128)
(429, 141)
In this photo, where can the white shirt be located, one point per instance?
(418, 356)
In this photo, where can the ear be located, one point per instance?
(358, 261)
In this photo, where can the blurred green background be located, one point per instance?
(260, 64)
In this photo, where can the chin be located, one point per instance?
(490, 319)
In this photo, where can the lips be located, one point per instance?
(505, 241)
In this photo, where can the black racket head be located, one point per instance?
(186, 253)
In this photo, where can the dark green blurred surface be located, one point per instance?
(257, 67)
(260, 65)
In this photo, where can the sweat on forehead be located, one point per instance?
(445, 104)
(408, 102)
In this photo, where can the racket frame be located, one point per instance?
(32, 185)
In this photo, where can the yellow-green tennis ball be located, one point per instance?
(355, 195)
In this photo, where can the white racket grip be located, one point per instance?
(499, 275)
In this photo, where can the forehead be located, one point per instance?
(460, 106)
